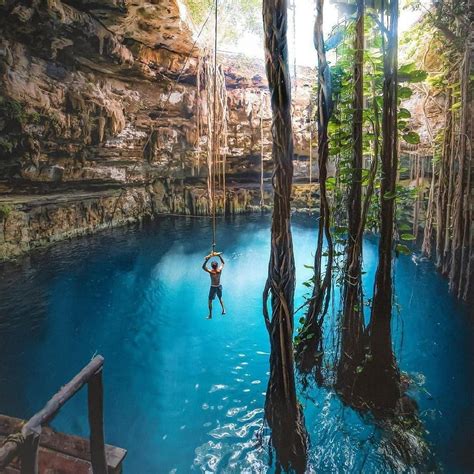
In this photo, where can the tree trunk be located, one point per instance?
(352, 317)
(380, 379)
(310, 346)
(282, 410)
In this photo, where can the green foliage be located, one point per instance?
(234, 18)
(198, 9)
(404, 92)
(402, 249)
(411, 137)
(17, 113)
(403, 113)
(5, 211)
(12, 110)
(409, 73)
(6, 145)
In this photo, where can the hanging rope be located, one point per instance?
(224, 138)
(214, 138)
(262, 198)
(147, 143)
(310, 144)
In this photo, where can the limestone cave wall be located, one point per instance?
(99, 106)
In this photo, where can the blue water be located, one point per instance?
(186, 394)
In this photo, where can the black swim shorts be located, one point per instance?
(215, 290)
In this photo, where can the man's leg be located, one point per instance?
(219, 295)
(222, 304)
(210, 309)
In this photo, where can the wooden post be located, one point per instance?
(29, 457)
(95, 397)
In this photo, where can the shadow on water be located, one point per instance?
(183, 393)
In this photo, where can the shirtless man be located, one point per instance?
(215, 274)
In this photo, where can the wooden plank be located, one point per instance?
(71, 445)
(50, 461)
(95, 399)
(61, 442)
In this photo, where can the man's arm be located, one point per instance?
(204, 265)
(222, 261)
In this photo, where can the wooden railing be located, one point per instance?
(25, 443)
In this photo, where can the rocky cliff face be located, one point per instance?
(84, 87)
(101, 109)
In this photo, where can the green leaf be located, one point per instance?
(408, 237)
(418, 76)
(412, 137)
(309, 266)
(414, 76)
(390, 195)
(407, 68)
(331, 184)
(404, 113)
(402, 249)
(409, 73)
(402, 125)
(404, 227)
(404, 92)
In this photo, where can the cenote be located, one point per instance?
(186, 394)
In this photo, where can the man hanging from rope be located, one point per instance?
(215, 274)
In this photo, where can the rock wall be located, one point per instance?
(100, 100)
(34, 222)
(80, 101)
(28, 222)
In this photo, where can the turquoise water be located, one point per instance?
(186, 394)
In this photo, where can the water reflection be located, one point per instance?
(183, 393)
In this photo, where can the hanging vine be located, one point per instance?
(449, 210)
(282, 409)
(309, 348)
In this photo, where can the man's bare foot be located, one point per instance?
(223, 311)
(209, 317)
